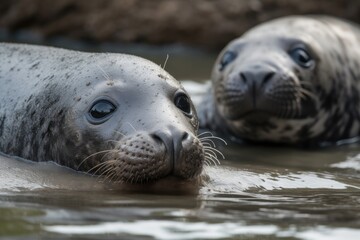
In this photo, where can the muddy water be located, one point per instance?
(257, 192)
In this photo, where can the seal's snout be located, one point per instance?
(257, 77)
(263, 89)
(174, 141)
(145, 157)
(256, 80)
(183, 150)
(247, 89)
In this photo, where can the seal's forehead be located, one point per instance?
(290, 30)
(286, 27)
(131, 69)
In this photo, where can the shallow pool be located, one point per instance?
(256, 193)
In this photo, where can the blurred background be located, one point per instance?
(182, 29)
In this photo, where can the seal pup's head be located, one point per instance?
(288, 80)
(141, 122)
(118, 116)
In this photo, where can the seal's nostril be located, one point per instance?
(165, 137)
(267, 78)
(185, 136)
(243, 78)
(156, 137)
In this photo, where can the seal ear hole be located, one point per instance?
(227, 58)
(101, 110)
(302, 57)
(184, 104)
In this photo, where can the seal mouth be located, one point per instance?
(247, 112)
(143, 158)
(256, 114)
(265, 105)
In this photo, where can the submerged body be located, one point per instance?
(293, 80)
(114, 115)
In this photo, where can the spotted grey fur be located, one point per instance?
(328, 109)
(48, 93)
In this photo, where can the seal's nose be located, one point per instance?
(257, 77)
(174, 140)
(256, 80)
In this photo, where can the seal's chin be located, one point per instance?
(267, 112)
(257, 115)
(236, 114)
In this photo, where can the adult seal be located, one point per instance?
(293, 80)
(114, 115)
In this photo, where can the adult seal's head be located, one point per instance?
(114, 115)
(290, 80)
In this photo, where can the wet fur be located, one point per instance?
(46, 93)
(332, 88)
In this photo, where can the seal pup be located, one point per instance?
(293, 80)
(113, 115)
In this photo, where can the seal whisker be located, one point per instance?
(107, 165)
(215, 158)
(113, 141)
(96, 166)
(308, 93)
(119, 174)
(211, 153)
(105, 172)
(283, 111)
(117, 177)
(122, 134)
(105, 75)
(100, 152)
(207, 144)
(203, 133)
(299, 108)
(206, 162)
(132, 126)
(167, 58)
(110, 176)
(214, 137)
(210, 161)
(137, 178)
(211, 158)
(131, 179)
(208, 141)
(289, 106)
(292, 106)
(106, 154)
(214, 150)
(296, 107)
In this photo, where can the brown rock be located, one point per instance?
(205, 23)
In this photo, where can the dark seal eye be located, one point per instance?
(227, 58)
(183, 103)
(101, 109)
(302, 57)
